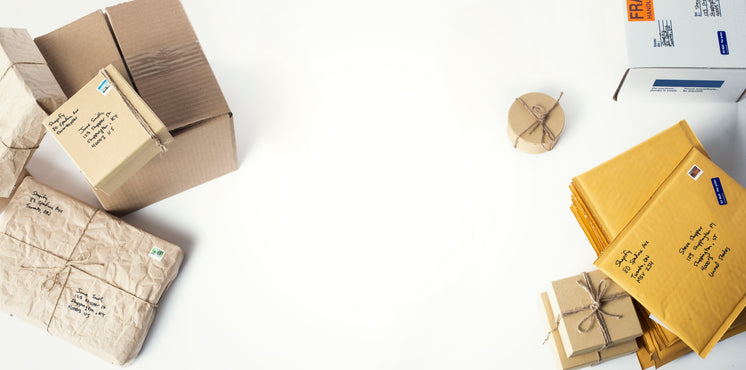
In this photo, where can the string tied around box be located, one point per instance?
(136, 113)
(597, 314)
(540, 115)
(67, 266)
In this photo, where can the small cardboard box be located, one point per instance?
(28, 93)
(583, 360)
(161, 53)
(81, 274)
(685, 51)
(579, 328)
(108, 130)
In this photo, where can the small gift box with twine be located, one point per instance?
(535, 122)
(582, 360)
(592, 313)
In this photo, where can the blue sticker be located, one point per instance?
(723, 43)
(104, 86)
(719, 191)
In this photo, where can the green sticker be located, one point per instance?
(157, 253)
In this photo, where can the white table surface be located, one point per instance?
(380, 218)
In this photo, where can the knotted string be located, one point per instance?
(10, 147)
(540, 120)
(68, 265)
(598, 298)
(136, 113)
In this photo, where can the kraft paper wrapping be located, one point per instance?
(691, 230)
(81, 274)
(28, 92)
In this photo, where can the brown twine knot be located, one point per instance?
(540, 120)
(596, 314)
(56, 277)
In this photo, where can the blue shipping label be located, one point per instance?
(104, 87)
(723, 43)
(719, 191)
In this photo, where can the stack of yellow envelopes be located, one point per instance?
(635, 196)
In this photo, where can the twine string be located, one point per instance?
(540, 115)
(597, 314)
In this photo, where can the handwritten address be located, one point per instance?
(40, 203)
(87, 305)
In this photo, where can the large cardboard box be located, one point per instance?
(685, 51)
(162, 56)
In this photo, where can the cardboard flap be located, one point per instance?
(166, 62)
(79, 50)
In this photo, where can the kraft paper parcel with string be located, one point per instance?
(108, 130)
(526, 131)
(582, 360)
(81, 274)
(567, 295)
(28, 92)
(691, 230)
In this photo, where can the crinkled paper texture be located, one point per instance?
(94, 284)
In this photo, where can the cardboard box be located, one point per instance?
(579, 327)
(691, 230)
(580, 361)
(108, 130)
(81, 274)
(685, 51)
(28, 93)
(161, 53)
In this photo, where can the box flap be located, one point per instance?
(76, 52)
(166, 62)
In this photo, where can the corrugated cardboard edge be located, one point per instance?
(144, 188)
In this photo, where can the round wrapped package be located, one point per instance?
(535, 121)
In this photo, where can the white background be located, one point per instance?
(380, 218)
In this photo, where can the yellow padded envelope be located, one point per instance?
(683, 255)
(615, 190)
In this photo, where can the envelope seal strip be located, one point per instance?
(138, 116)
(68, 265)
(598, 298)
(540, 115)
(11, 66)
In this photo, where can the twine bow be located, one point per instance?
(598, 298)
(55, 278)
(540, 120)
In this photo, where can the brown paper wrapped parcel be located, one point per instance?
(81, 274)
(28, 92)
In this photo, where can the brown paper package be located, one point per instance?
(28, 92)
(81, 274)
(161, 53)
